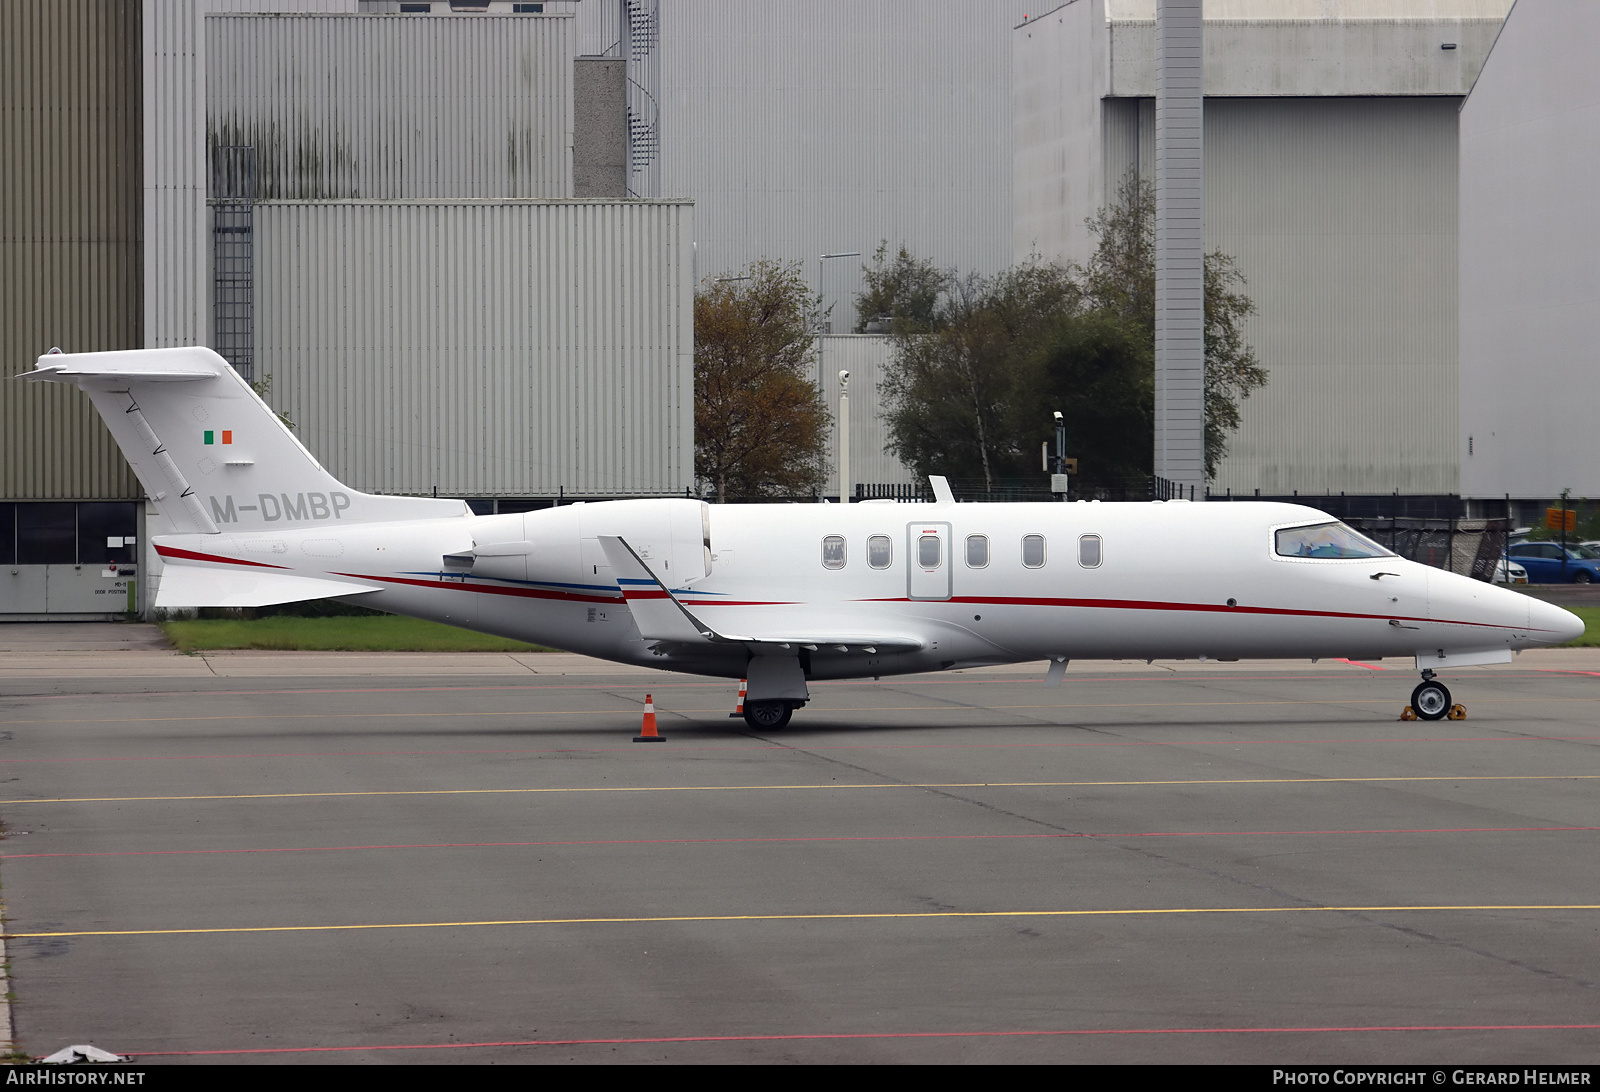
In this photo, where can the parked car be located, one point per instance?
(1509, 572)
(1543, 561)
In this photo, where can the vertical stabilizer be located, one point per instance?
(209, 451)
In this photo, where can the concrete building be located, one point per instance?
(422, 285)
(1530, 260)
(829, 126)
(1330, 138)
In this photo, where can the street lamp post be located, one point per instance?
(820, 259)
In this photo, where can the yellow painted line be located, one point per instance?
(908, 915)
(941, 708)
(848, 785)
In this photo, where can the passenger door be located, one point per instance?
(928, 561)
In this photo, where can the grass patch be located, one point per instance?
(381, 633)
(1591, 633)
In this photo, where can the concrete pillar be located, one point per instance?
(1180, 250)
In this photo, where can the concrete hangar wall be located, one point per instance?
(1530, 240)
(1331, 166)
(609, 365)
(826, 127)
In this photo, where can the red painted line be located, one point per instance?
(191, 555)
(1358, 663)
(808, 840)
(781, 747)
(865, 1035)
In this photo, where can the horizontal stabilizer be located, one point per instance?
(188, 586)
(128, 371)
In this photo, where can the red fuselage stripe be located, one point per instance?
(520, 593)
(191, 555)
(1147, 604)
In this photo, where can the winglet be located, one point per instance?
(659, 616)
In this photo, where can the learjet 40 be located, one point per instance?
(780, 595)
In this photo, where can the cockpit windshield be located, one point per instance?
(1326, 540)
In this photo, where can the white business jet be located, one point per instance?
(779, 594)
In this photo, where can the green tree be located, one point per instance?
(904, 290)
(1096, 370)
(954, 388)
(760, 425)
(1121, 278)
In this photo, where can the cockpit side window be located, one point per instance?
(1326, 540)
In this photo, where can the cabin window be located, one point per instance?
(1089, 551)
(833, 552)
(977, 551)
(1033, 551)
(928, 552)
(1331, 540)
(880, 552)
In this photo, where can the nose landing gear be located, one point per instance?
(1431, 701)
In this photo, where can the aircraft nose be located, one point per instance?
(1552, 625)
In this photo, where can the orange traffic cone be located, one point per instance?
(648, 733)
(738, 710)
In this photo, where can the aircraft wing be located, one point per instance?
(661, 617)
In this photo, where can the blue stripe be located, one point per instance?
(556, 583)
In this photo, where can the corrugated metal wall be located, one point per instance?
(513, 348)
(176, 228)
(326, 6)
(1341, 213)
(69, 233)
(1530, 260)
(803, 129)
(864, 356)
(382, 107)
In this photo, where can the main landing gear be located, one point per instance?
(1431, 701)
(766, 716)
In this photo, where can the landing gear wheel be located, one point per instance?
(1431, 700)
(766, 716)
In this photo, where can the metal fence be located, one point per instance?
(1471, 547)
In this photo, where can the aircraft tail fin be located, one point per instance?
(210, 453)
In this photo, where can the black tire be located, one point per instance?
(1583, 576)
(1430, 700)
(767, 716)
